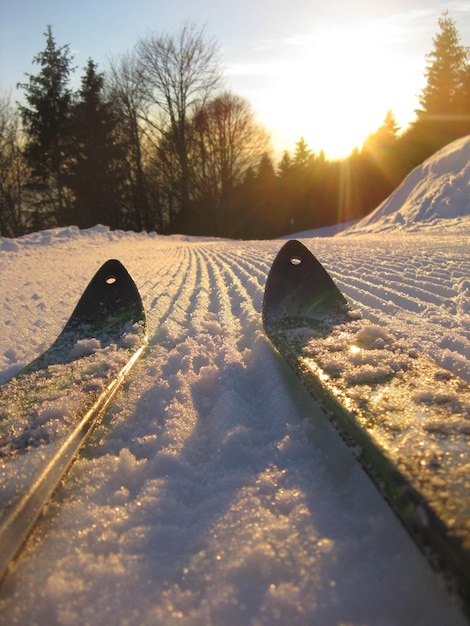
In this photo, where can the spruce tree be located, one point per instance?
(445, 71)
(46, 120)
(445, 99)
(95, 173)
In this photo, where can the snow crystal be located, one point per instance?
(374, 337)
(85, 347)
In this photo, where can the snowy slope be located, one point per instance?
(437, 190)
(218, 493)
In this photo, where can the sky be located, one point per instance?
(324, 71)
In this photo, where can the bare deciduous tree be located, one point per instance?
(179, 73)
(128, 95)
(13, 172)
(230, 141)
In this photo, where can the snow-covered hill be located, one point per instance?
(437, 190)
(217, 493)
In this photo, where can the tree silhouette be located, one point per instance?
(180, 73)
(380, 170)
(303, 156)
(157, 146)
(47, 126)
(228, 141)
(445, 71)
(95, 174)
(445, 99)
(13, 173)
(127, 93)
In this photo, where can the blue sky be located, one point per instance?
(328, 71)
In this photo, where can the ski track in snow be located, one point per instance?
(216, 492)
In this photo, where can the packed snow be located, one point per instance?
(216, 491)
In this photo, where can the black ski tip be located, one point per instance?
(299, 286)
(111, 299)
(109, 308)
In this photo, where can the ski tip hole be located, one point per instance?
(110, 280)
(295, 260)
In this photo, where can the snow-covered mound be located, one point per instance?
(437, 190)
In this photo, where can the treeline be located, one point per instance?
(156, 144)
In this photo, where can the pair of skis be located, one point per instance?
(407, 419)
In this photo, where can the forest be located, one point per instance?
(155, 143)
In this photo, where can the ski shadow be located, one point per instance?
(242, 475)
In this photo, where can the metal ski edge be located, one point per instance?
(21, 520)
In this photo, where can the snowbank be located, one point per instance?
(436, 191)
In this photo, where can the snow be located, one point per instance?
(84, 347)
(216, 491)
(437, 190)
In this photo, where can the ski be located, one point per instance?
(407, 420)
(48, 410)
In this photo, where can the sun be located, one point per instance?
(336, 90)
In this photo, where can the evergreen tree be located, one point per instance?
(445, 71)
(380, 146)
(379, 168)
(284, 165)
(301, 209)
(462, 102)
(303, 156)
(287, 184)
(445, 99)
(266, 217)
(96, 170)
(46, 122)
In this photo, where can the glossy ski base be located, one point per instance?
(407, 419)
(48, 410)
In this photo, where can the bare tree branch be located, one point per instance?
(179, 73)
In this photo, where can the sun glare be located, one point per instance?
(335, 91)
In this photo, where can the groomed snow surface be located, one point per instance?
(216, 492)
